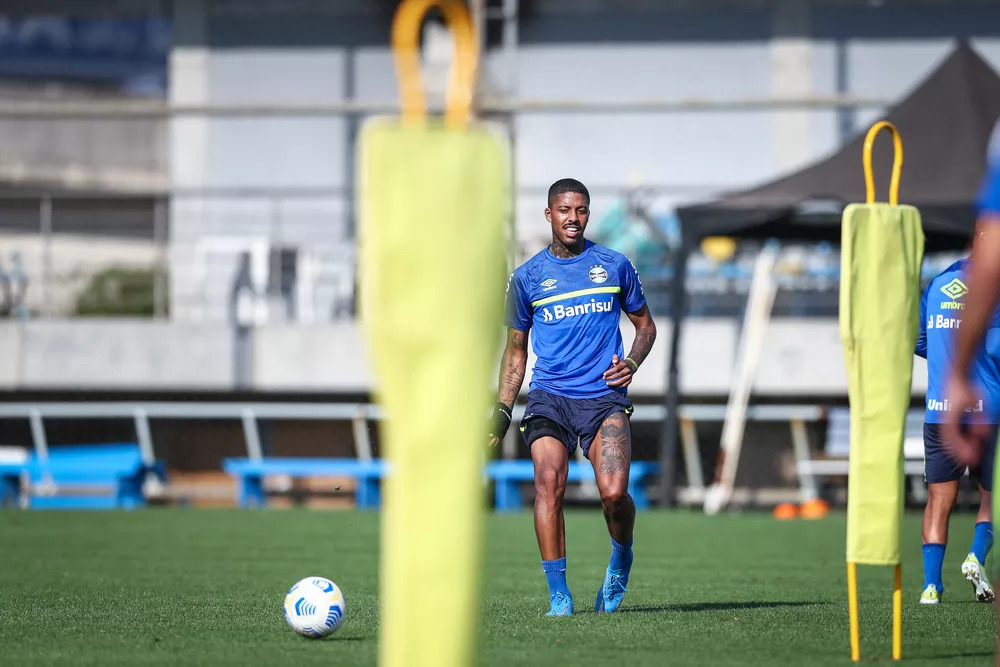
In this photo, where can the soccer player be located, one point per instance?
(940, 315)
(570, 296)
(983, 284)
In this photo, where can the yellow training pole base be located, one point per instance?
(852, 610)
(897, 613)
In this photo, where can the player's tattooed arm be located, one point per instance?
(513, 366)
(645, 335)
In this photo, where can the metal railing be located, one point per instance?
(119, 109)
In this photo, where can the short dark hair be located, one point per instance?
(564, 185)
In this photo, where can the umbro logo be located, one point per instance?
(956, 289)
(549, 284)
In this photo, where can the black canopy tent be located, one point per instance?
(945, 124)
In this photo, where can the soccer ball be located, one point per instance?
(315, 607)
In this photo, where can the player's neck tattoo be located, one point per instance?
(560, 251)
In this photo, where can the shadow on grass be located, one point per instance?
(952, 656)
(716, 606)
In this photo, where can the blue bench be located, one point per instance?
(508, 475)
(10, 483)
(117, 469)
(250, 475)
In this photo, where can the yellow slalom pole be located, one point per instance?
(852, 610)
(897, 614)
(881, 250)
(420, 252)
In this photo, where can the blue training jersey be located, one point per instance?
(989, 193)
(572, 308)
(941, 307)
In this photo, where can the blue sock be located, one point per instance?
(982, 541)
(933, 558)
(555, 573)
(621, 555)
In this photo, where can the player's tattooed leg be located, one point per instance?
(614, 445)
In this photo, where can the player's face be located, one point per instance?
(568, 215)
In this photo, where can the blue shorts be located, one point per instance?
(940, 467)
(570, 419)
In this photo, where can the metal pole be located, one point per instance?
(477, 10)
(277, 309)
(800, 445)
(251, 435)
(692, 456)
(41, 451)
(151, 485)
(671, 398)
(243, 312)
(362, 440)
(45, 231)
(351, 142)
(510, 41)
(160, 270)
(144, 436)
(845, 115)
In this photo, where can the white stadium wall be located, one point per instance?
(116, 354)
(799, 358)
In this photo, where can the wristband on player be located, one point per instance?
(635, 366)
(501, 419)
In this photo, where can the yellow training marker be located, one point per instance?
(433, 204)
(882, 247)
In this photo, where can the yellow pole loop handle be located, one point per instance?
(405, 41)
(897, 162)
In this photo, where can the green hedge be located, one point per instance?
(118, 291)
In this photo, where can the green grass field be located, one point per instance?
(205, 587)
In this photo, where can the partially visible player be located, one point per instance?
(571, 296)
(941, 310)
(983, 283)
